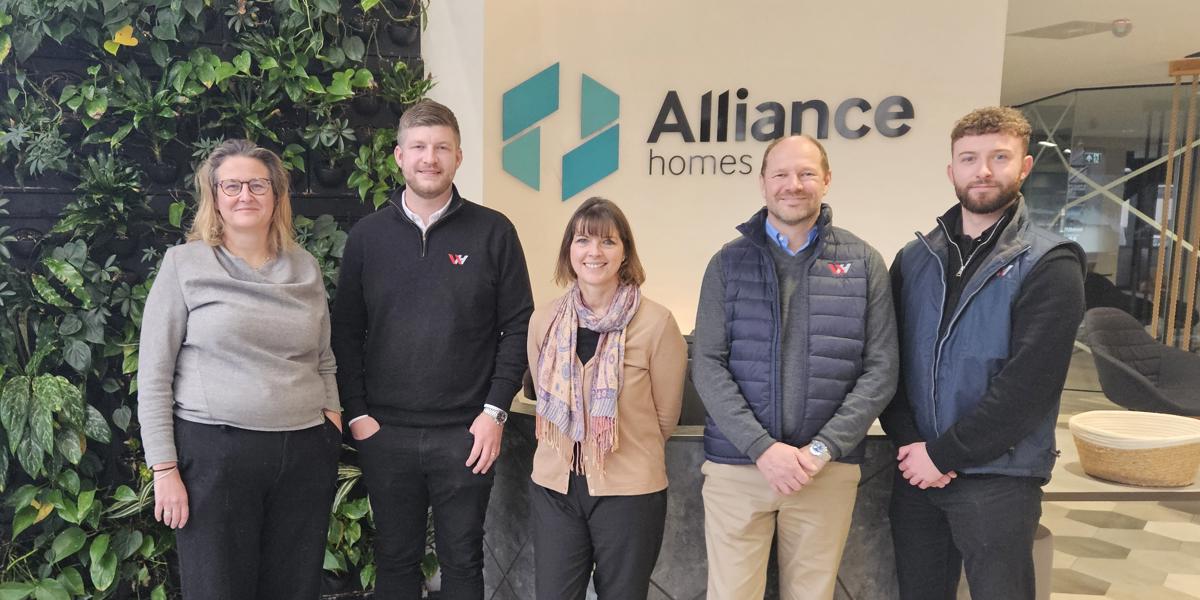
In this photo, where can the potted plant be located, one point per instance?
(110, 207)
(153, 111)
(31, 141)
(402, 86)
(330, 139)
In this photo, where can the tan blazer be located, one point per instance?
(647, 409)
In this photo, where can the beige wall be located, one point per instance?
(946, 57)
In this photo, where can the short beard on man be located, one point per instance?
(1004, 197)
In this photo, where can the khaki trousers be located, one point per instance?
(742, 513)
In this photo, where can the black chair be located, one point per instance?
(1136, 371)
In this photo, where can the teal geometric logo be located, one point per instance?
(536, 98)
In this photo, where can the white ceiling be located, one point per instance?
(1163, 30)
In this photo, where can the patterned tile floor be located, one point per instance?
(1120, 550)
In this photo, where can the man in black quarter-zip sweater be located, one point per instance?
(429, 332)
(988, 305)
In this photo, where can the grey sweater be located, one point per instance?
(723, 399)
(225, 344)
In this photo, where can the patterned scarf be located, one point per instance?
(564, 417)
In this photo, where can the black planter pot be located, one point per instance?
(331, 176)
(163, 172)
(26, 244)
(73, 130)
(122, 246)
(403, 34)
(367, 106)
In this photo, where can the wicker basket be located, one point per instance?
(1138, 448)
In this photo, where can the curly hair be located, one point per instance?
(992, 119)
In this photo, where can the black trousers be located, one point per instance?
(259, 510)
(618, 536)
(986, 521)
(407, 470)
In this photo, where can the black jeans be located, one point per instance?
(618, 535)
(259, 504)
(986, 521)
(407, 470)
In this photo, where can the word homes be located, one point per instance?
(725, 121)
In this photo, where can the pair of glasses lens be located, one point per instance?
(233, 187)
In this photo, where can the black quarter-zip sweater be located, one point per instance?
(428, 328)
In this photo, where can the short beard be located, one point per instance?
(1004, 197)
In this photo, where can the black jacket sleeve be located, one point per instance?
(1045, 319)
(897, 419)
(348, 321)
(514, 306)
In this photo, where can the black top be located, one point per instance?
(427, 328)
(585, 344)
(1015, 404)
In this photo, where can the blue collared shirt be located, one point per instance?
(782, 240)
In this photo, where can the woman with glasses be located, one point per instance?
(238, 405)
(608, 366)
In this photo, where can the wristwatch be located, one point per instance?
(818, 449)
(496, 413)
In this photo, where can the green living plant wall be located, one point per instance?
(109, 104)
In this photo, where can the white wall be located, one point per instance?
(452, 46)
(946, 57)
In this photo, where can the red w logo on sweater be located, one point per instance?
(839, 268)
(458, 259)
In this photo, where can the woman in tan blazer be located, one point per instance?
(608, 366)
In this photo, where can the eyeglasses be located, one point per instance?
(233, 187)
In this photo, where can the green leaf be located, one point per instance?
(50, 589)
(175, 213)
(69, 445)
(224, 71)
(41, 425)
(72, 581)
(97, 106)
(130, 363)
(66, 543)
(14, 409)
(86, 499)
(160, 53)
(70, 324)
(48, 293)
(30, 456)
(96, 427)
(104, 562)
(24, 518)
(124, 493)
(5, 46)
(14, 590)
(362, 78)
(158, 593)
(78, 355)
(354, 48)
(126, 543)
(68, 480)
(121, 417)
(3, 469)
(268, 62)
(242, 61)
(368, 4)
(164, 31)
(70, 277)
(329, 7)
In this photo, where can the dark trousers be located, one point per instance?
(619, 536)
(259, 504)
(985, 521)
(407, 470)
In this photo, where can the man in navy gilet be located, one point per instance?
(795, 357)
(988, 306)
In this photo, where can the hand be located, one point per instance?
(335, 418)
(364, 428)
(170, 496)
(918, 468)
(486, 448)
(780, 464)
(811, 463)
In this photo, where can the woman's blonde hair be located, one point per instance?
(209, 226)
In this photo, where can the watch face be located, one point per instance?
(818, 448)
